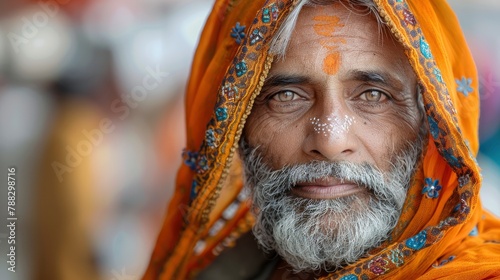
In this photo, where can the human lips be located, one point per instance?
(326, 188)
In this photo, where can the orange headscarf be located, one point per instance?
(443, 230)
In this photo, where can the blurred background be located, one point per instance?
(91, 117)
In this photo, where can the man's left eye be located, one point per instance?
(373, 96)
(285, 96)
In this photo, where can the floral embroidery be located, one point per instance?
(349, 277)
(417, 242)
(241, 68)
(451, 159)
(433, 126)
(438, 75)
(238, 33)
(266, 18)
(256, 36)
(450, 221)
(397, 257)
(210, 138)
(202, 164)
(443, 262)
(230, 91)
(190, 158)
(274, 11)
(378, 266)
(464, 86)
(431, 188)
(464, 208)
(221, 113)
(409, 18)
(463, 180)
(425, 49)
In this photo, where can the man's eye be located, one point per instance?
(285, 96)
(373, 96)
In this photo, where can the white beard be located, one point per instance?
(313, 235)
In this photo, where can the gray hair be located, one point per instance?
(281, 39)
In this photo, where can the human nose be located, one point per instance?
(330, 137)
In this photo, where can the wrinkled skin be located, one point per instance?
(369, 103)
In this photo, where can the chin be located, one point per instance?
(332, 217)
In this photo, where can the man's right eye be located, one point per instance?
(284, 96)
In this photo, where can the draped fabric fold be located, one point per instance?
(445, 233)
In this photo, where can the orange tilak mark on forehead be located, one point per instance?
(331, 63)
(326, 26)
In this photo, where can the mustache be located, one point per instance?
(362, 174)
(281, 181)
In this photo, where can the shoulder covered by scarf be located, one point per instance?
(445, 234)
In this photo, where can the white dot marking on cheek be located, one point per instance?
(334, 125)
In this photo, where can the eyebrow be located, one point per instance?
(378, 77)
(284, 80)
(373, 76)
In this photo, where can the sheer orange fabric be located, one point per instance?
(443, 230)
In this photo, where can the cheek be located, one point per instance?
(258, 130)
(277, 139)
(407, 121)
(386, 134)
(403, 118)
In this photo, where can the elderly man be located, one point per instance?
(356, 125)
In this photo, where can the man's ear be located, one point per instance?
(424, 125)
(420, 102)
(242, 145)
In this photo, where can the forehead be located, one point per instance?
(349, 34)
(350, 16)
(338, 21)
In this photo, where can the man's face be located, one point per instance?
(335, 132)
(367, 107)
